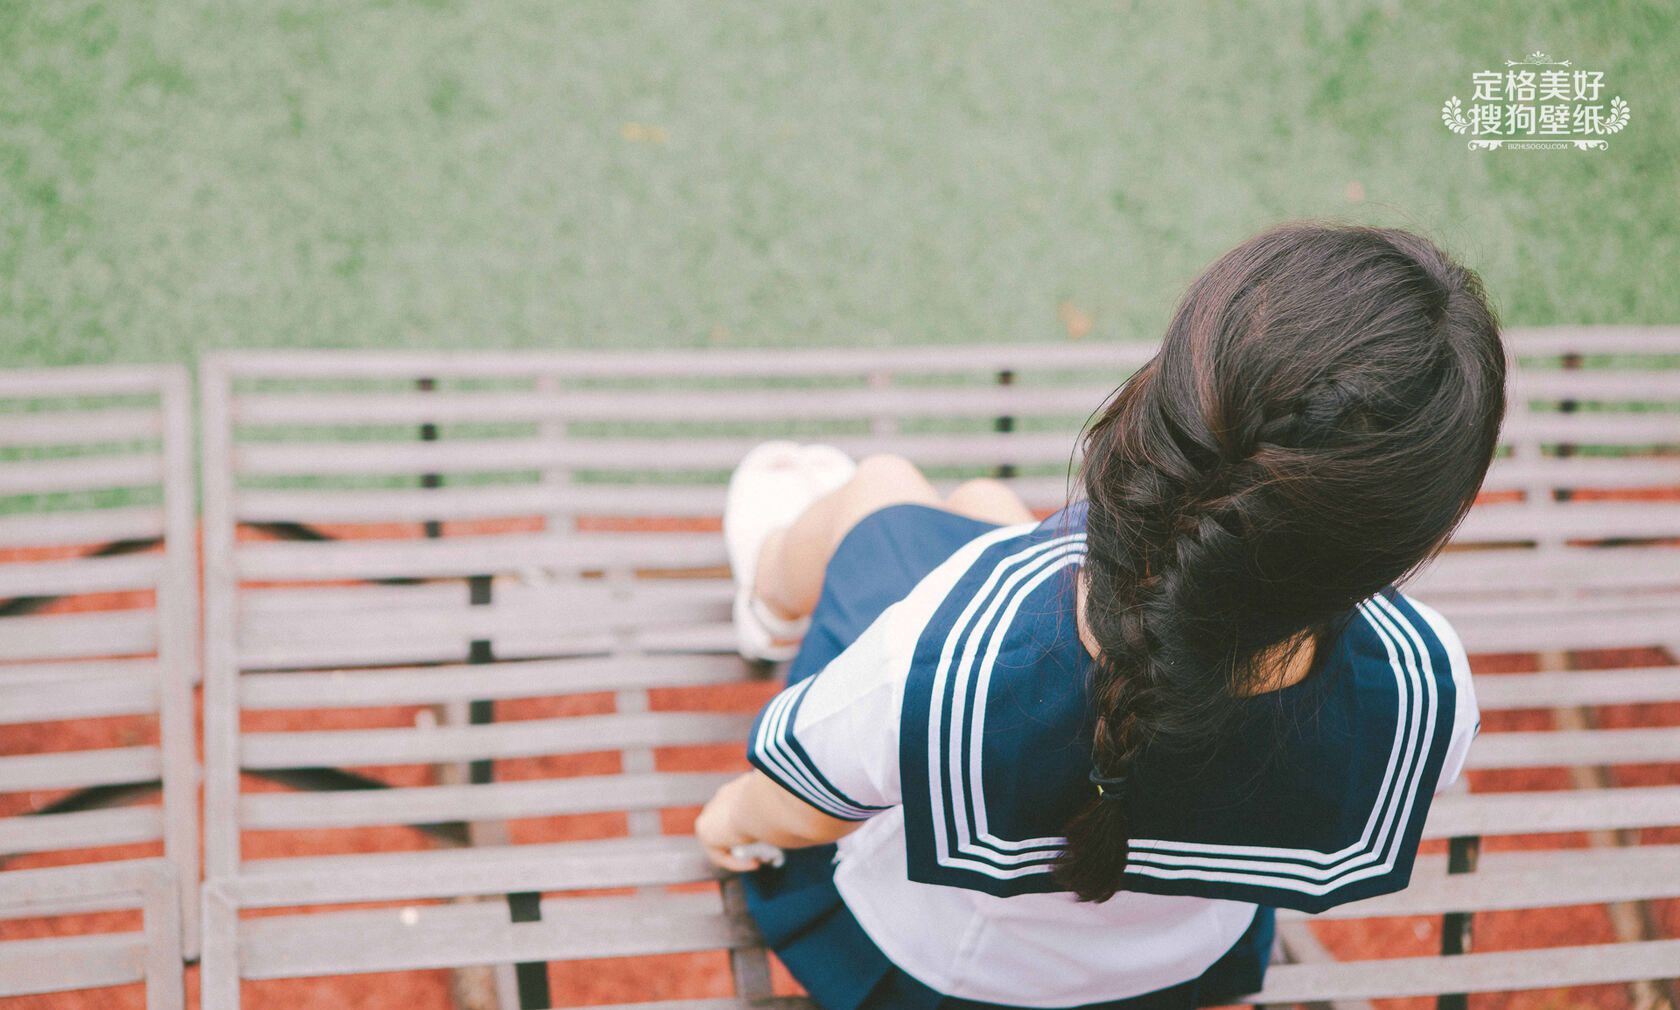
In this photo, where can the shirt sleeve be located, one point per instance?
(832, 738)
(1467, 718)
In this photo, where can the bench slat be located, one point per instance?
(81, 575)
(395, 876)
(77, 699)
(84, 473)
(529, 643)
(490, 554)
(676, 405)
(967, 358)
(682, 363)
(62, 963)
(494, 502)
(1645, 385)
(525, 679)
(524, 738)
(666, 500)
(1515, 576)
(345, 615)
(1583, 472)
(492, 802)
(126, 879)
(1533, 813)
(1557, 340)
(270, 604)
(474, 555)
(515, 500)
(712, 453)
(1577, 520)
(1592, 428)
(86, 380)
(87, 904)
(95, 526)
(1577, 688)
(75, 671)
(78, 427)
(1502, 971)
(460, 935)
(345, 458)
(449, 636)
(445, 599)
(79, 769)
(444, 643)
(82, 829)
(1562, 627)
(1645, 745)
(780, 404)
(63, 636)
(1516, 880)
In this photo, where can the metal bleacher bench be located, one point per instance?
(98, 621)
(480, 602)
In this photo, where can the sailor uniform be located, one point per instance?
(940, 696)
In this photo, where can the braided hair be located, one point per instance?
(1317, 422)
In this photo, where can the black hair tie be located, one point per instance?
(1108, 786)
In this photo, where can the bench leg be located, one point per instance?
(218, 977)
(162, 918)
(1462, 854)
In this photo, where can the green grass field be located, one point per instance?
(182, 175)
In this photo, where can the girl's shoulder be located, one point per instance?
(995, 729)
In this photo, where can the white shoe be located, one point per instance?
(773, 484)
(826, 467)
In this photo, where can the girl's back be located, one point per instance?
(957, 724)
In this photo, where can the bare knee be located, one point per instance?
(888, 470)
(979, 489)
(990, 500)
(885, 479)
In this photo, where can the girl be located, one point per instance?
(1081, 761)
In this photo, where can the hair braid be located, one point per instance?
(1241, 486)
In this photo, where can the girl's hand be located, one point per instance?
(715, 828)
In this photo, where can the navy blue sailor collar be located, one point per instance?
(1316, 797)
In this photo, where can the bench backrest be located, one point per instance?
(393, 534)
(98, 612)
(525, 527)
(53, 964)
(1574, 543)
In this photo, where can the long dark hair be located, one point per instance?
(1317, 422)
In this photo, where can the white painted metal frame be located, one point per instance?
(306, 639)
(141, 661)
(64, 964)
(642, 635)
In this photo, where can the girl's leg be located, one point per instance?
(791, 566)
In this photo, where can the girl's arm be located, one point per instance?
(753, 808)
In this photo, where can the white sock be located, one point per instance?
(777, 625)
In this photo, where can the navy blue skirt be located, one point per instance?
(797, 907)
